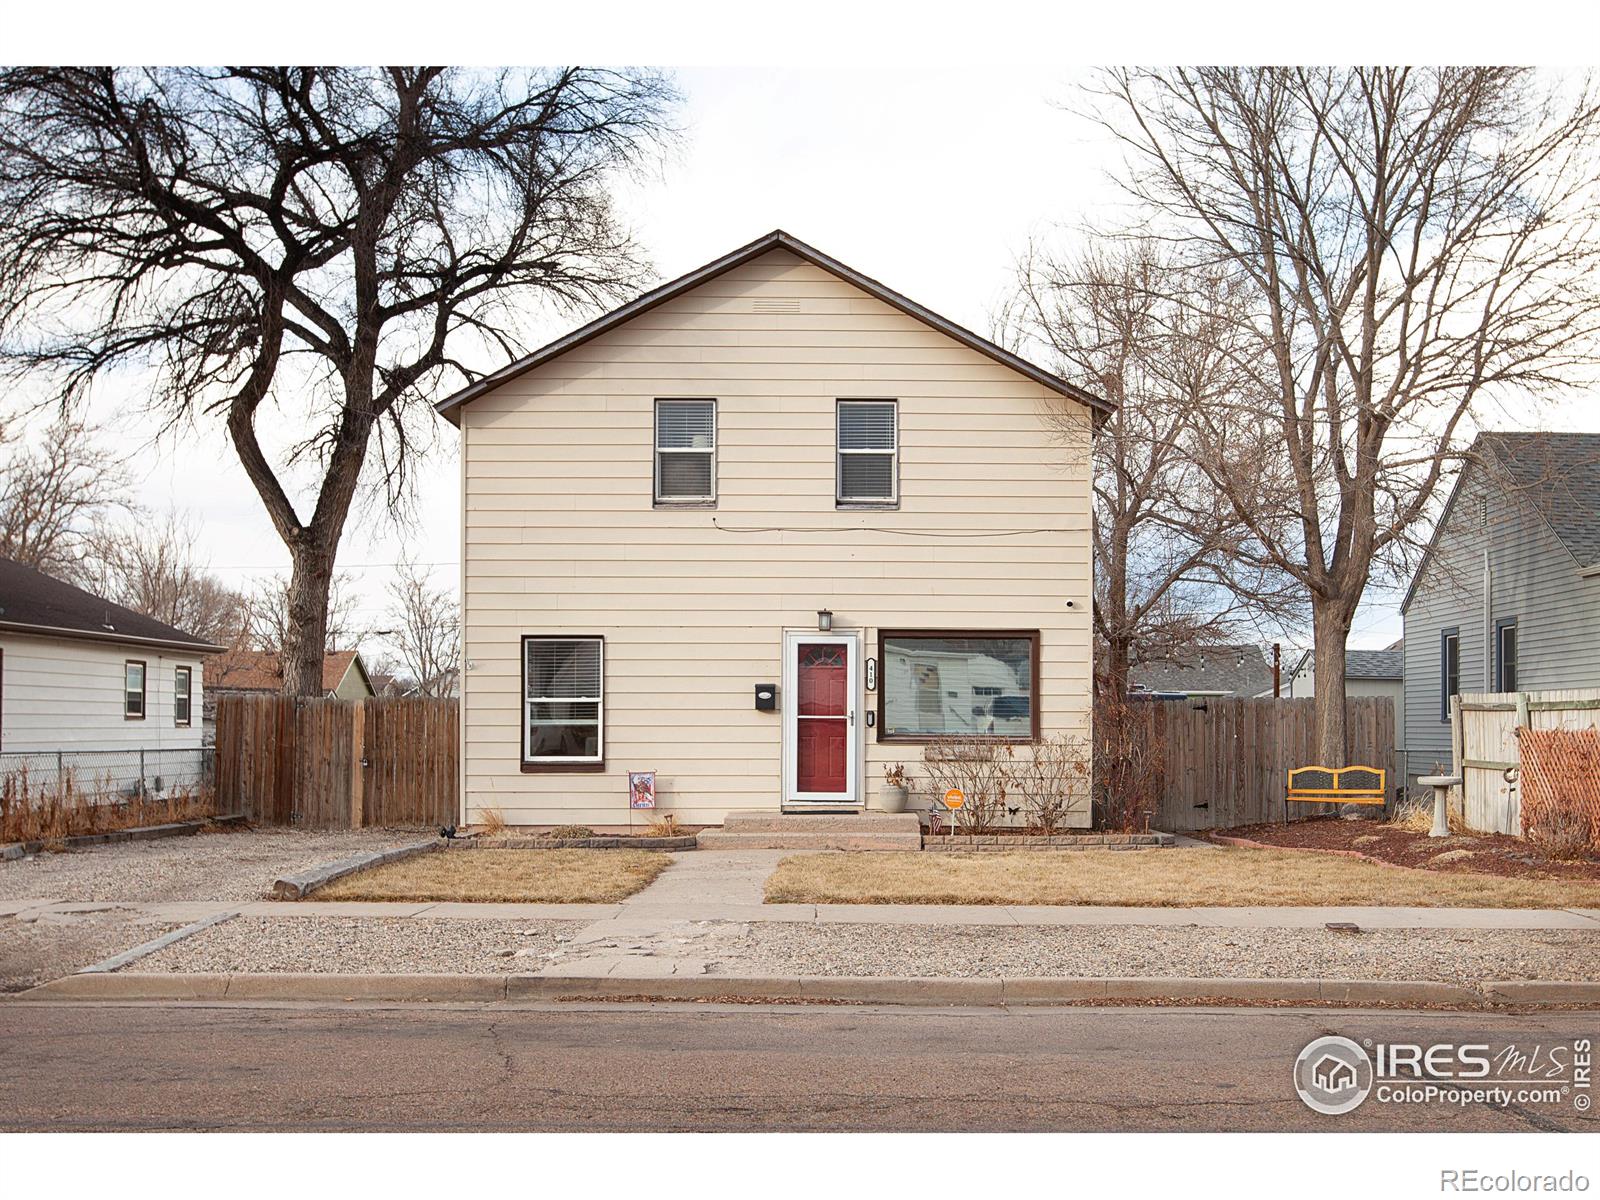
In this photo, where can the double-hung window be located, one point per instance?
(182, 688)
(868, 446)
(563, 689)
(1505, 654)
(133, 690)
(686, 451)
(1449, 669)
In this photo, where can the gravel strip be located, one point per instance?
(225, 865)
(1451, 956)
(32, 952)
(379, 945)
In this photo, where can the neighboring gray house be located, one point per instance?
(1240, 670)
(1507, 596)
(1366, 673)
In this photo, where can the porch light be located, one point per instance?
(824, 620)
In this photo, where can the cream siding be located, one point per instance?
(561, 535)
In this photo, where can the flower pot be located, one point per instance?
(892, 799)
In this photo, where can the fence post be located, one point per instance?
(141, 771)
(358, 751)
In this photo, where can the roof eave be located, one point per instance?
(776, 240)
(122, 639)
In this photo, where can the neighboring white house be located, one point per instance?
(93, 687)
(763, 531)
(1366, 673)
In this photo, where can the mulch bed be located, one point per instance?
(1469, 854)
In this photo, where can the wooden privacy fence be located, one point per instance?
(1228, 761)
(337, 764)
(1483, 740)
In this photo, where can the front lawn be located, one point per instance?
(1164, 878)
(505, 876)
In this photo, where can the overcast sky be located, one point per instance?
(930, 180)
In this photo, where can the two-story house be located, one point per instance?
(763, 531)
(1507, 596)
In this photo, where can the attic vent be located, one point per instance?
(1483, 512)
(771, 304)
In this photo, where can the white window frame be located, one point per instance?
(561, 760)
(655, 439)
(893, 454)
(186, 674)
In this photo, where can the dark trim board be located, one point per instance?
(1036, 691)
(776, 240)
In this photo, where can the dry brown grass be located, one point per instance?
(1416, 816)
(492, 822)
(31, 812)
(505, 876)
(1159, 878)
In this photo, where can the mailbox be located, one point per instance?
(766, 697)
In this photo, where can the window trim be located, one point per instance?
(656, 452)
(549, 765)
(910, 739)
(1500, 626)
(144, 689)
(187, 675)
(1446, 635)
(840, 500)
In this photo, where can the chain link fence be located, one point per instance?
(108, 776)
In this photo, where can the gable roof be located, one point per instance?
(33, 602)
(1558, 474)
(262, 671)
(1240, 670)
(776, 240)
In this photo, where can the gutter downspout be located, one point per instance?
(1488, 622)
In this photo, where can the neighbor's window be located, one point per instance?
(182, 684)
(133, 690)
(868, 447)
(1505, 654)
(686, 451)
(564, 711)
(937, 684)
(1449, 670)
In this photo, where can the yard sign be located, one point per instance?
(641, 789)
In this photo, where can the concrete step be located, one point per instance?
(767, 821)
(723, 839)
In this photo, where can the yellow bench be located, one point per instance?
(1337, 785)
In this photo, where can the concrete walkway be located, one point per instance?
(672, 905)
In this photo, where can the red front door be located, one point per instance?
(822, 717)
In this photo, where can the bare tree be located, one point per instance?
(426, 631)
(152, 569)
(269, 618)
(1160, 342)
(1414, 244)
(51, 496)
(325, 241)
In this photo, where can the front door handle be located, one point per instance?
(852, 716)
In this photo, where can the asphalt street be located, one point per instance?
(699, 1067)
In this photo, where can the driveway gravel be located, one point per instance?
(1451, 956)
(361, 945)
(36, 950)
(238, 864)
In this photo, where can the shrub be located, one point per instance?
(979, 767)
(1053, 781)
(1129, 766)
(569, 831)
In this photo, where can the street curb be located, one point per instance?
(301, 884)
(888, 990)
(143, 833)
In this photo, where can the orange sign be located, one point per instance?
(954, 798)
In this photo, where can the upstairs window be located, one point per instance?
(182, 684)
(563, 688)
(868, 449)
(686, 451)
(133, 690)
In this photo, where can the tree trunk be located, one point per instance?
(1330, 629)
(305, 634)
(1114, 677)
